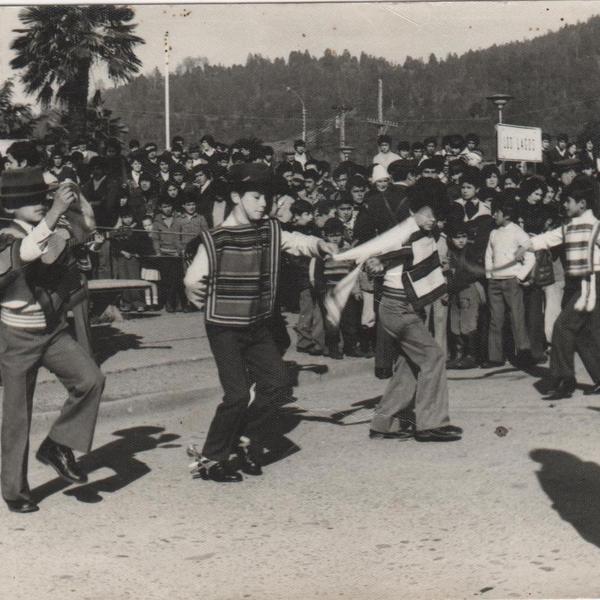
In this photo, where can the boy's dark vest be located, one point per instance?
(52, 286)
(244, 273)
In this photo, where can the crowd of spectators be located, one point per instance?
(150, 204)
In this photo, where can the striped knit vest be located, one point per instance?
(577, 237)
(244, 266)
(422, 276)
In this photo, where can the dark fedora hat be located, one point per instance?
(21, 187)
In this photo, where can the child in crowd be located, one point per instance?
(164, 240)
(127, 246)
(344, 211)
(505, 280)
(333, 273)
(189, 223)
(310, 326)
(148, 270)
(465, 298)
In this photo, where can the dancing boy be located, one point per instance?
(234, 274)
(406, 256)
(37, 278)
(577, 328)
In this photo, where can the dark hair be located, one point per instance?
(324, 206)
(300, 207)
(433, 193)
(340, 170)
(530, 185)
(581, 188)
(513, 174)
(384, 139)
(489, 170)
(472, 176)
(21, 151)
(400, 171)
(506, 204)
(333, 226)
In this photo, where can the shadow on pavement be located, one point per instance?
(118, 455)
(108, 341)
(573, 486)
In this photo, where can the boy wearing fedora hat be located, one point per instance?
(36, 281)
(234, 275)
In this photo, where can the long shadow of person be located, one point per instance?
(287, 418)
(118, 455)
(573, 486)
(108, 341)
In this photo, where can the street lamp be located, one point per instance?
(500, 100)
(343, 108)
(292, 91)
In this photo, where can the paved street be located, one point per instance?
(335, 515)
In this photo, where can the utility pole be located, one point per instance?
(167, 99)
(292, 91)
(343, 108)
(380, 105)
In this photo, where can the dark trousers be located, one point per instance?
(533, 298)
(171, 290)
(129, 268)
(349, 326)
(245, 355)
(503, 293)
(22, 352)
(576, 331)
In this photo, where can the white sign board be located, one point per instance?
(519, 143)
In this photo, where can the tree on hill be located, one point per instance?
(436, 96)
(59, 45)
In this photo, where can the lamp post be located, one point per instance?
(500, 100)
(167, 95)
(292, 91)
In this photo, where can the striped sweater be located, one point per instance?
(244, 272)
(575, 237)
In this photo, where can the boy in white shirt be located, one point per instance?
(505, 277)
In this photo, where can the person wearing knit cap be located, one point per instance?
(385, 156)
(234, 276)
(577, 328)
(39, 276)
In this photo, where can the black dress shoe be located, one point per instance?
(61, 459)
(22, 506)
(219, 472)
(383, 373)
(436, 435)
(335, 353)
(564, 389)
(491, 364)
(390, 435)
(248, 461)
(451, 429)
(593, 390)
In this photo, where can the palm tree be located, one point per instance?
(61, 43)
(16, 120)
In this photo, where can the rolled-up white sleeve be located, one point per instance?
(547, 240)
(298, 244)
(34, 243)
(195, 278)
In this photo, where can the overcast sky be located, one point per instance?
(226, 34)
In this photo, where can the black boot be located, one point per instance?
(248, 459)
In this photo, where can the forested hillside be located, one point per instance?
(554, 78)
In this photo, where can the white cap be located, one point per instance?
(379, 172)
